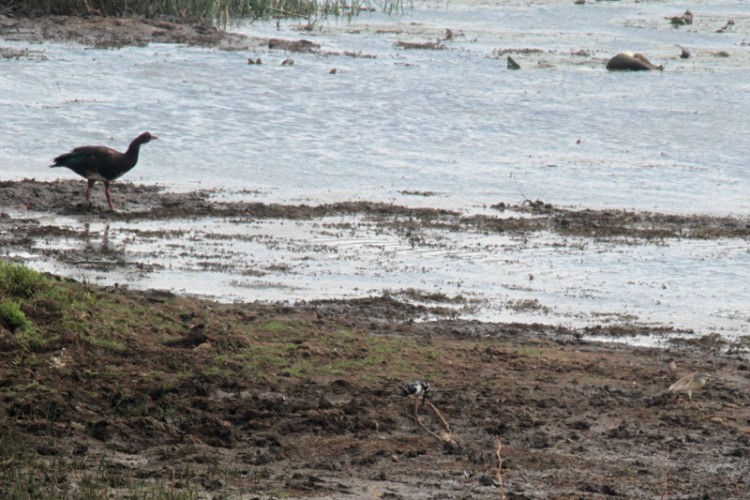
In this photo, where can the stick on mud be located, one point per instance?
(499, 473)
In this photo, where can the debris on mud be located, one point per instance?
(420, 45)
(17, 54)
(293, 45)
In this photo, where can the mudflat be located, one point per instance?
(129, 393)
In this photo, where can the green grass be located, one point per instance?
(285, 352)
(26, 475)
(24, 396)
(212, 372)
(276, 327)
(530, 352)
(107, 343)
(120, 360)
(19, 281)
(262, 351)
(76, 311)
(39, 310)
(20, 287)
(14, 318)
(221, 359)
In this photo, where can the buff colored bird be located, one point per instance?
(689, 383)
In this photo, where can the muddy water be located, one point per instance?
(692, 286)
(393, 124)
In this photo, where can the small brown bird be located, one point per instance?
(689, 383)
(100, 163)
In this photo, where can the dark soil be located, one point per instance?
(155, 392)
(319, 417)
(151, 202)
(113, 32)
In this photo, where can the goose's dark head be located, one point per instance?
(145, 137)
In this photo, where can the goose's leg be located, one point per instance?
(108, 194)
(88, 191)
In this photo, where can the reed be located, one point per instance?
(220, 11)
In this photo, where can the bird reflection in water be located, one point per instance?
(91, 238)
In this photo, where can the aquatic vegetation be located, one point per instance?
(219, 11)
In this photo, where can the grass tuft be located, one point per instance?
(13, 317)
(19, 281)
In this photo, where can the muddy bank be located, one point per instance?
(529, 262)
(132, 392)
(136, 202)
(125, 393)
(114, 32)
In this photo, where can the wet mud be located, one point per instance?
(267, 401)
(153, 203)
(259, 400)
(111, 32)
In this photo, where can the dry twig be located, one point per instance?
(500, 469)
(446, 438)
(665, 478)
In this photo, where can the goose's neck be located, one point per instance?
(133, 149)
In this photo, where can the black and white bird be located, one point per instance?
(416, 389)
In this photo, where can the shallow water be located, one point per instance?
(693, 286)
(452, 122)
